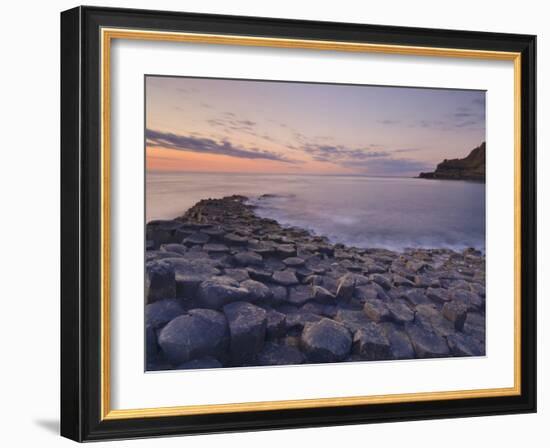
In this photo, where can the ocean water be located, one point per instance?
(393, 213)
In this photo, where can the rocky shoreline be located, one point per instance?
(226, 288)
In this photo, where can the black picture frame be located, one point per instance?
(81, 224)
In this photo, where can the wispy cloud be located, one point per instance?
(388, 121)
(203, 145)
(339, 153)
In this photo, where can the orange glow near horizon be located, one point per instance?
(169, 160)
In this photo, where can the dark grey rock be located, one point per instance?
(196, 238)
(345, 288)
(249, 259)
(194, 335)
(438, 295)
(399, 280)
(286, 278)
(326, 341)
(285, 250)
(382, 280)
(365, 292)
(274, 264)
(279, 355)
(371, 344)
(159, 313)
(215, 248)
(400, 311)
(257, 291)
(189, 273)
(373, 268)
(173, 248)
(219, 291)
(299, 319)
(208, 362)
(469, 299)
(426, 344)
(160, 281)
(429, 317)
(279, 293)
(259, 274)
(415, 297)
(239, 275)
(401, 346)
(247, 327)
(456, 312)
(298, 295)
(276, 324)
(322, 295)
(376, 310)
(234, 239)
(294, 262)
(465, 345)
(352, 320)
(475, 326)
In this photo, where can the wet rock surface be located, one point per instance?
(226, 288)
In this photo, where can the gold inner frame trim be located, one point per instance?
(107, 35)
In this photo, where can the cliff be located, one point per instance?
(471, 167)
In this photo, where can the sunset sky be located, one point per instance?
(212, 125)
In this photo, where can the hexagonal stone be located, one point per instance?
(194, 335)
(257, 290)
(415, 297)
(239, 275)
(382, 280)
(376, 310)
(219, 291)
(370, 343)
(456, 312)
(279, 355)
(294, 262)
(285, 278)
(352, 320)
(438, 295)
(276, 324)
(472, 301)
(249, 259)
(326, 341)
(196, 238)
(401, 346)
(259, 274)
(189, 273)
(429, 317)
(365, 292)
(247, 328)
(346, 285)
(299, 319)
(298, 295)
(234, 239)
(400, 311)
(399, 280)
(285, 250)
(426, 344)
(464, 345)
(159, 313)
(173, 248)
(322, 295)
(160, 281)
(215, 248)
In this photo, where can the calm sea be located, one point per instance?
(394, 213)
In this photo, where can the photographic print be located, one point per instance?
(295, 223)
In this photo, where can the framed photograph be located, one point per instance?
(273, 223)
